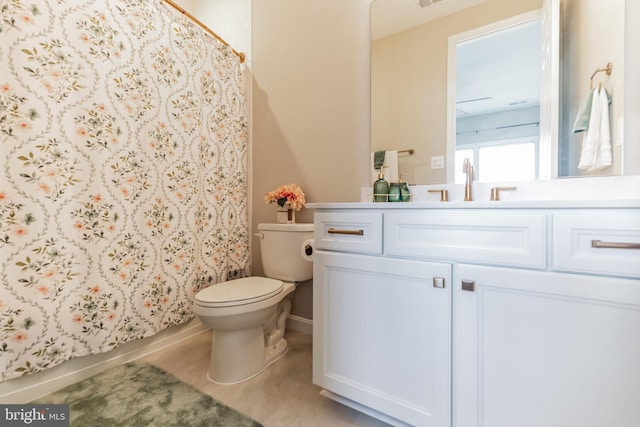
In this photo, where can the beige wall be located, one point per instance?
(584, 50)
(230, 19)
(632, 89)
(188, 5)
(310, 101)
(310, 109)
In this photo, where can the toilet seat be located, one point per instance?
(243, 291)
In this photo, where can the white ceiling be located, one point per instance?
(495, 73)
(402, 14)
(501, 71)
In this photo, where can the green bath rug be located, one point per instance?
(140, 394)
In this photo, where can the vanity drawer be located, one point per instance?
(503, 238)
(577, 235)
(348, 232)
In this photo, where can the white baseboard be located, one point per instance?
(299, 324)
(30, 387)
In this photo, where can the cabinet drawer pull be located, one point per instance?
(468, 285)
(614, 245)
(354, 232)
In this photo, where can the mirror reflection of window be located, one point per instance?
(498, 103)
(511, 160)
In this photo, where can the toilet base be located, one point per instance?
(242, 365)
(245, 343)
(275, 351)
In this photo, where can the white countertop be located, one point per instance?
(520, 204)
(596, 192)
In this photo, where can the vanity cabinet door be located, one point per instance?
(382, 336)
(538, 349)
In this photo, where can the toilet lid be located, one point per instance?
(239, 292)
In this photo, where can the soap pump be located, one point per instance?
(380, 187)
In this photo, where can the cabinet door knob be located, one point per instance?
(468, 285)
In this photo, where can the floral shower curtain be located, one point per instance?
(123, 183)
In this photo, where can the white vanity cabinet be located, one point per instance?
(382, 326)
(545, 349)
(538, 322)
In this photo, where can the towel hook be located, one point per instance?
(607, 70)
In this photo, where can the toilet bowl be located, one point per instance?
(248, 315)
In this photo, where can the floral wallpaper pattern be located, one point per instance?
(123, 189)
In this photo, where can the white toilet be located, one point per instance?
(248, 315)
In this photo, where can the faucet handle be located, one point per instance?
(444, 194)
(495, 192)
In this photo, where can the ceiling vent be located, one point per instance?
(426, 3)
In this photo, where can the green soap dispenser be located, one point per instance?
(405, 194)
(380, 187)
(394, 192)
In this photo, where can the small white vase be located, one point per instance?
(285, 214)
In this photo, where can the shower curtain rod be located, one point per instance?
(204, 27)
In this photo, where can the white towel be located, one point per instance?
(391, 169)
(596, 146)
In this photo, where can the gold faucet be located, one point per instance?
(444, 194)
(467, 168)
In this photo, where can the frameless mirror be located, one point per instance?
(409, 78)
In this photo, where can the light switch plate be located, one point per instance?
(437, 162)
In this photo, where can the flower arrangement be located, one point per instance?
(290, 193)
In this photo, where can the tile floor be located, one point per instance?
(280, 396)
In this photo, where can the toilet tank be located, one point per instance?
(281, 249)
